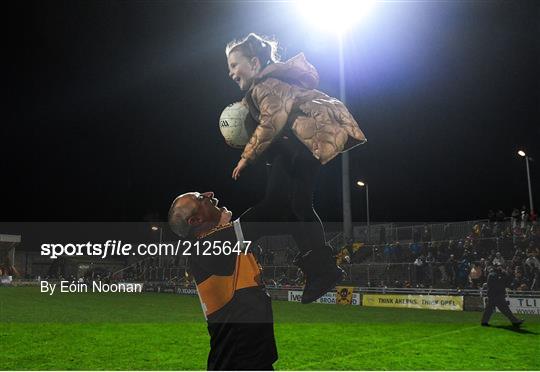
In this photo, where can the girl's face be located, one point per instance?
(242, 69)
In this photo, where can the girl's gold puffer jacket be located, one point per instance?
(284, 94)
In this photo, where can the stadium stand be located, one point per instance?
(445, 256)
(8, 244)
(433, 256)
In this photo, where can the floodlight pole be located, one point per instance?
(531, 205)
(160, 228)
(345, 174)
(367, 213)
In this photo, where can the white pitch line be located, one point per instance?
(392, 346)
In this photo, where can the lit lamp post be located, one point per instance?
(362, 184)
(156, 228)
(337, 17)
(527, 158)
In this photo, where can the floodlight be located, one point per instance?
(334, 16)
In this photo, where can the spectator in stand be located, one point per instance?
(485, 230)
(483, 247)
(532, 269)
(398, 254)
(446, 232)
(442, 257)
(414, 249)
(451, 269)
(430, 262)
(300, 280)
(387, 252)
(437, 250)
(491, 257)
(498, 259)
(475, 255)
(476, 275)
(426, 234)
(461, 247)
(523, 217)
(484, 266)
(343, 257)
(514, 218)
(284, 279)
(448, 249)
(491, 216)
(419, 269)
(500, 216)
(517, 259)
(476, 231)
(429, 248)
(496, 230)
(378, 252)
(463, 270)
(518, 282)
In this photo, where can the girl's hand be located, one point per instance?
(239, 167)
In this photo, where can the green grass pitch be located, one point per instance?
(152, 331)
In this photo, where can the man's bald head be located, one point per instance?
(179, 213)
(193, 213)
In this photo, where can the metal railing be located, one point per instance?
(396, 275)
(422, 232)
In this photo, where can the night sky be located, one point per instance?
(113, 107)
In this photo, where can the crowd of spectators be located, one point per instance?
(464, 263)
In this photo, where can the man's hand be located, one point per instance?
(239, 167)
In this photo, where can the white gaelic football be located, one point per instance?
(232, 124)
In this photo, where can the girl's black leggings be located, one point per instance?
(287, 207)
